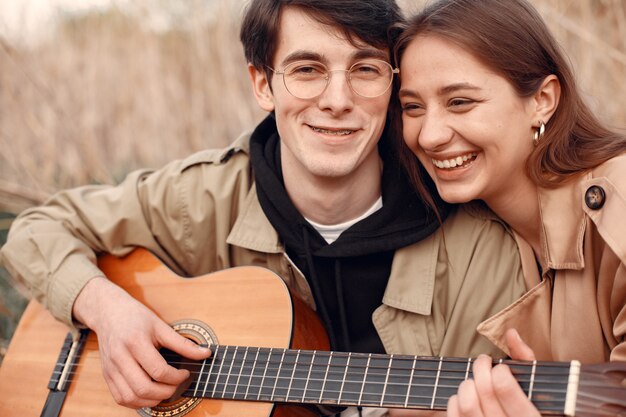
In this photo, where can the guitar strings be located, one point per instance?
(582, 395)
(449, 382)
(341, 367)
(390, 398)
(329, 355)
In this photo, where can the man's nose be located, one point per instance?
(338, 95)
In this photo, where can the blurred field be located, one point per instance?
(105, 94)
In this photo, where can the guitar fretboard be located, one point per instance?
(356, 379)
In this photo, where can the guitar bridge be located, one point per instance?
(62, 373)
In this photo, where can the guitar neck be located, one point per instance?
(357, 379)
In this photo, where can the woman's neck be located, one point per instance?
(519, 208)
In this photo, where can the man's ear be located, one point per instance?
(546, 99)
(261, 88)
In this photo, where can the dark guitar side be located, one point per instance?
(244, 306)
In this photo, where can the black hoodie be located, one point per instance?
(348, 277)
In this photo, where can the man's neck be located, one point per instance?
(338, 199)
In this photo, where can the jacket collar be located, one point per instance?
(412, 280)
(563, 226)
(252, 230)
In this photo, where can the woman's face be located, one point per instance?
(464, 122)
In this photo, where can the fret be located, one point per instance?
(229, 371)
(317, 377)
(325, 378)
(408, 389)
(252, 373)
(256, 375)
(467, 369)
(549, 383)
(385, 385)
(396, 391)
(374, 380)
(367, 367)
(292, 378)
(453, 371)
(332, 378)
(432, 404)
(281, 382)
(214, 358)
(308, 377)
(423, 380)
(200, 374)
(343, 378)
(268, 373)
(354, 378)
(301, 375)
(243, 377)
(219, 376)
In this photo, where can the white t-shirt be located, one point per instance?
(331, 232)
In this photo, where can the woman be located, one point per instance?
(491, 110)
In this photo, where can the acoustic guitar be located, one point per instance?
(270, 358)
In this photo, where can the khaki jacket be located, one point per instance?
(577, 308)
(202, 214)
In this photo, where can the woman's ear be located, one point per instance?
(546, 99)
(261, 88)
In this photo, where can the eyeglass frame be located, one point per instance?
(329, 76)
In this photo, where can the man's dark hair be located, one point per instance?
(369, 21)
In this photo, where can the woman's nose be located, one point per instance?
(435, 131)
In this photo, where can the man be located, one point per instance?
(313, 194)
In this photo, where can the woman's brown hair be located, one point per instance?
(511, 38)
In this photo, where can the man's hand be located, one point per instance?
(494, 392)
(129, 336)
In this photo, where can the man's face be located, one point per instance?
(335, 134)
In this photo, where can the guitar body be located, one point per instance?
(245, 306)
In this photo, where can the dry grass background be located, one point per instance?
(104, 95)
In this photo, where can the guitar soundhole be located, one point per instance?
(200, 333)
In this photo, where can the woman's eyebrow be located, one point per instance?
(456, 87)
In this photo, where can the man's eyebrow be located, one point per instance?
(370, 53)
(303, 55)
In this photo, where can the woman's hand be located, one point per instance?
(494, 392)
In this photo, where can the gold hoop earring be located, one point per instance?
(541, 130)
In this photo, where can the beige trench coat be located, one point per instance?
(577, 309)
(202, 214)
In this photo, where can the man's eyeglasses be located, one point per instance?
(308, 79)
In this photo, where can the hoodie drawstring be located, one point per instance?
(323, 312)
(342, 305)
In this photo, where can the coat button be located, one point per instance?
(595, 197)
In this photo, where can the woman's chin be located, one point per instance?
(456, 196)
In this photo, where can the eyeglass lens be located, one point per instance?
(308, 79)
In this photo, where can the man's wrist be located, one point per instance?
(87, 304)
